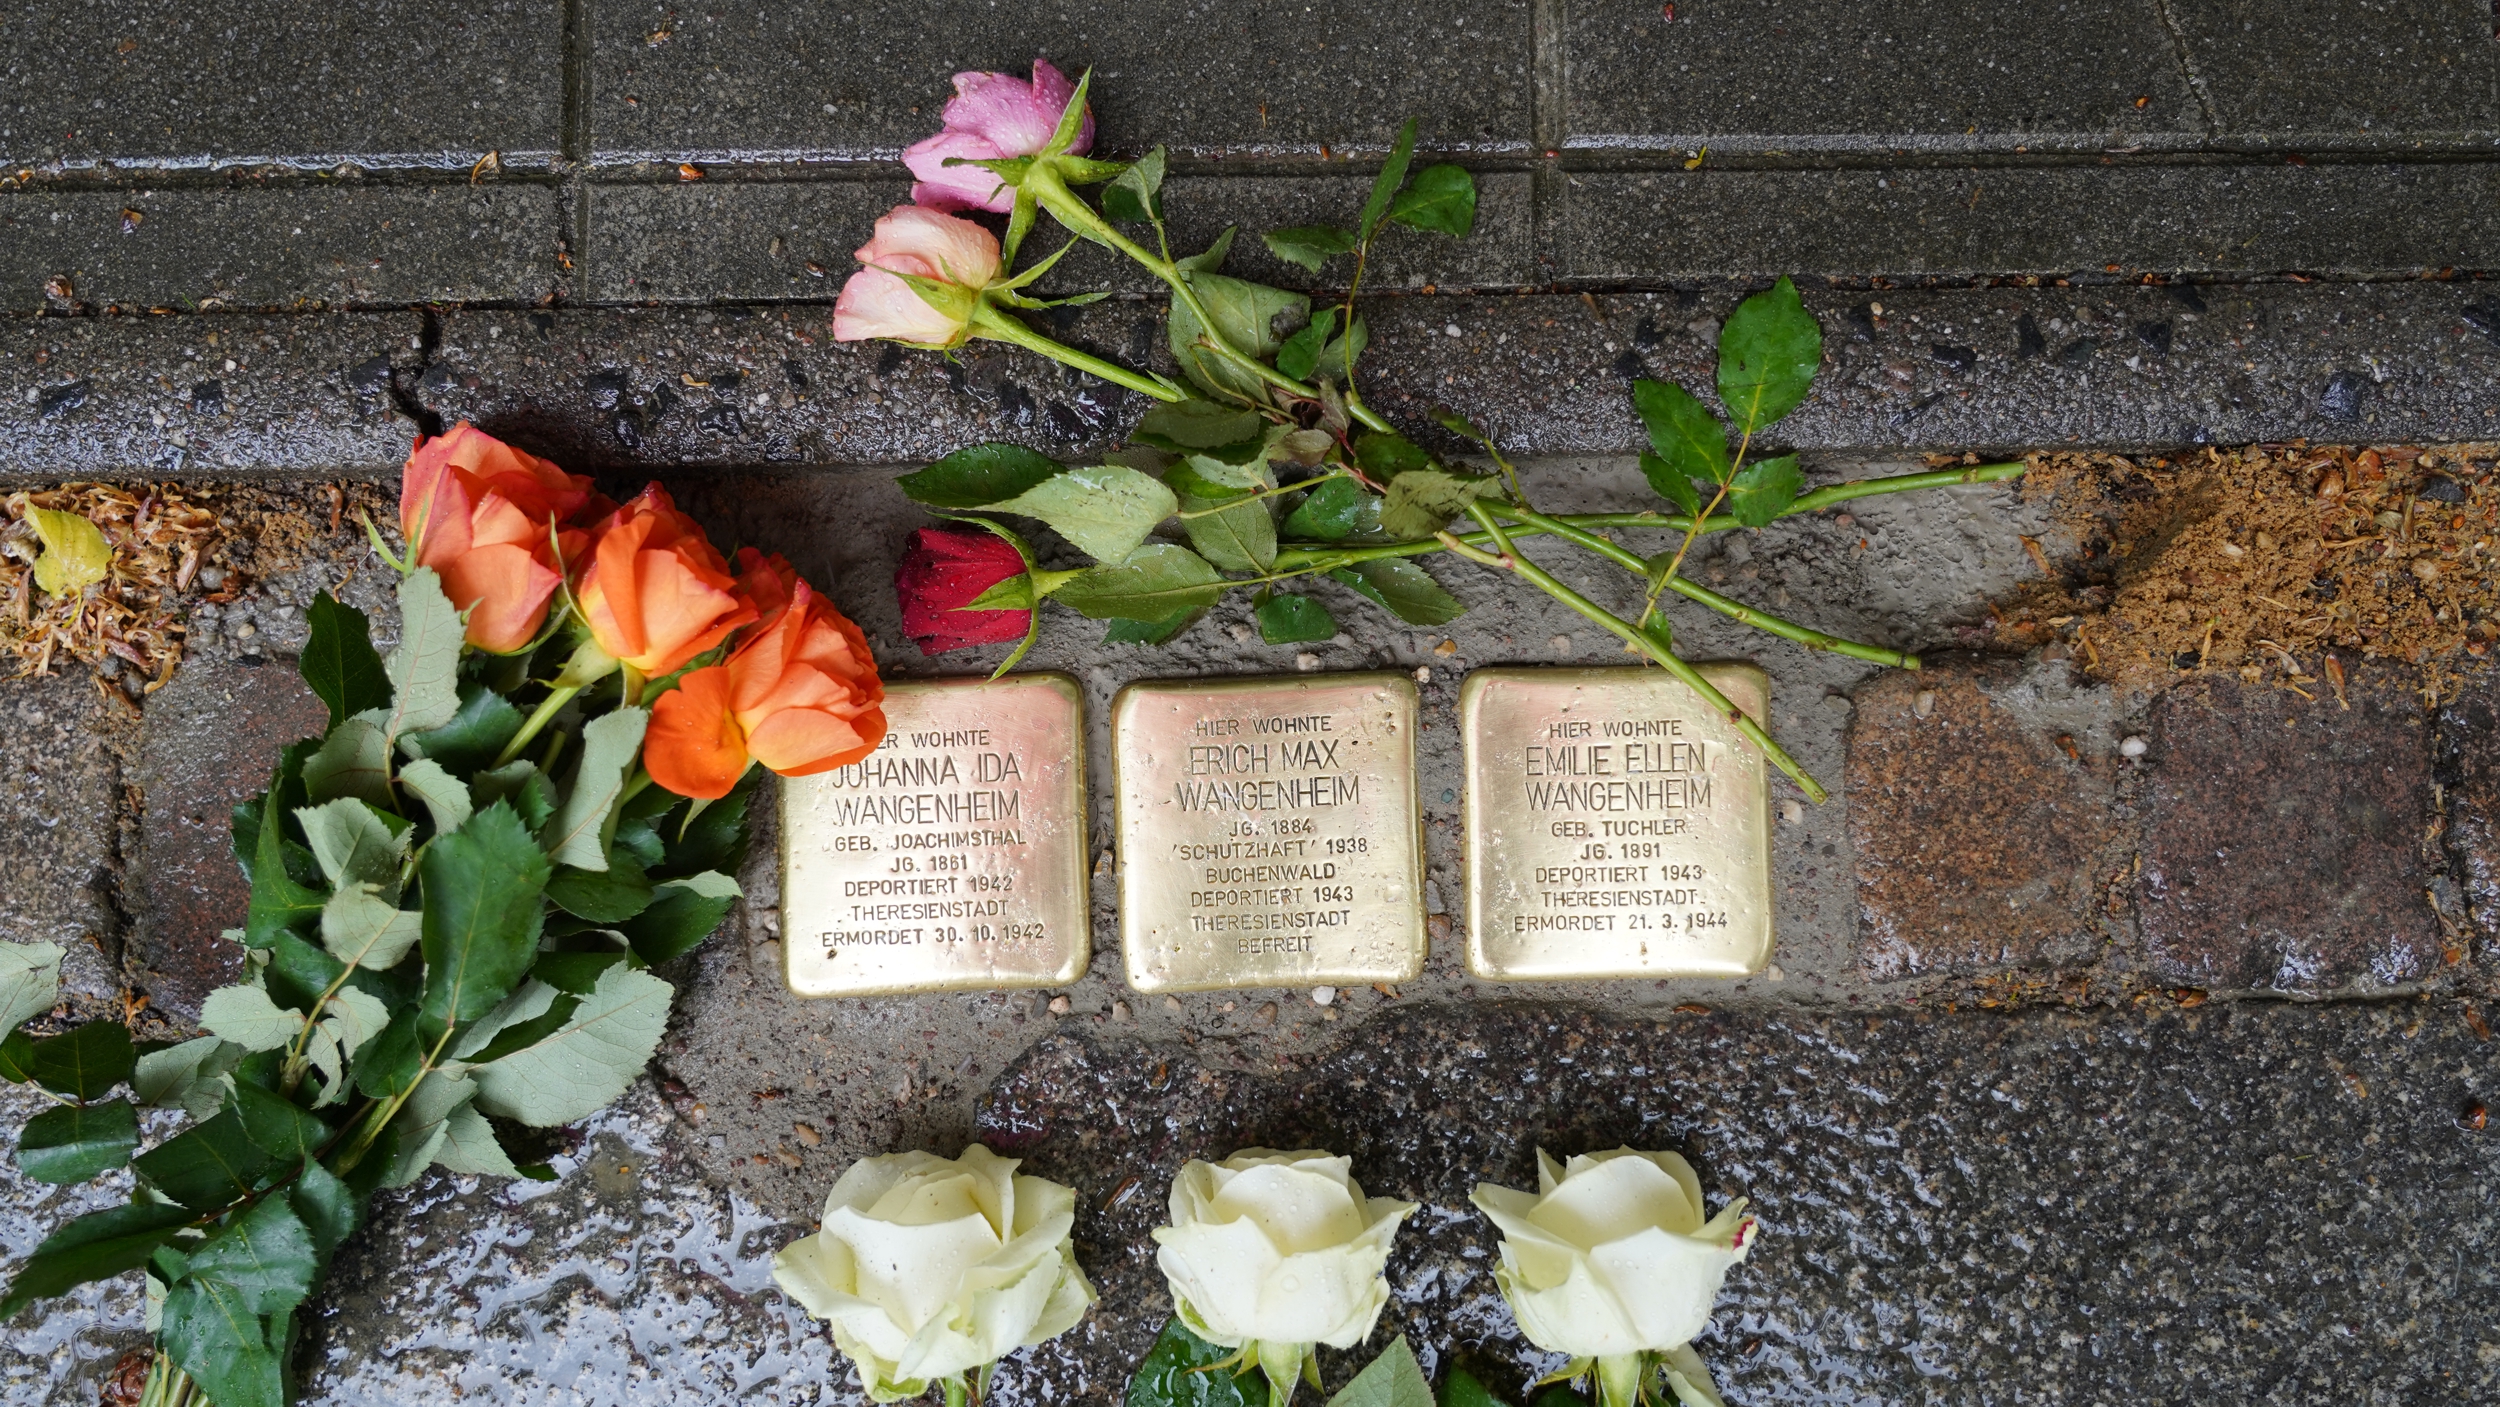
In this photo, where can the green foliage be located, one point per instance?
(481, 888)
(1300, 355)
(212, 1333)
(610, 743)
(1441, 199)
(96, 1246)
(1232, 529)
(1763, 490)
(1420, 502)
(587, 1061)
(339, 661)
(1769, 349)
(1229, 434)
(1247, 316)
(979, 476)
(1404, 589)
(1687, 442)
(1105, 511)
(1385, 185)
(1157, 582)
(1461, 1389)
(1309, 246)
(1180, 1371)
(1289, 619)
(1150, 632)
(282, 896)
(205, 1167)
(30, 981)
(1338, 509)
(611, 895)
(485, 721)
(84, 1062)
(425, 669)
(1135, 196)
(77, 1141)
(1394, 1379)
(682, 914)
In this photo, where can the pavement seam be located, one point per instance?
(2187, 67)
(575, 138)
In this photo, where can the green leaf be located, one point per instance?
(167, 1077)
(1689, 440)
(339, 661)
(1301, 351)
(30, 981)
(1385, 454)
(1560, 1396)
(1105, 511)
(330, 1209)
(354, 760)
(715, 839)
(1404, 589)
(1309, 245)
(1240, 537)
(1441, 198)
(520, 785)
(425, 668)
(444, 796)
(1671, 483)
(584, 1066)
(979, 476)
(469, 1146)
(682, 914)
(575, 973)
(279, 901)
(276, 1126)
(1202, 427)
(247, 1017)
(1150, 632)
(395, 1058)
(354, 1018)
(83, 1062)
(207, 1166)
(1180, 1371)
(75, 554)
(1461, 1389)
(17, 1057)
(1338, 509)
(74, 1142)
(1289, 619)
(1420, 502)
(96, 1246)
(1337, 359)
(1157, 582)
(422, 1123)
(481, 885)
(611, 895)
(1136, 195)
(610, 743)
(529, 1031)
(362, 929)
(1392, 175)
(1768, 351)
(354, 845)
(1246, 317)
(212, 1334)
(486, 721)
(1394, 1379)
(266, 1254)
(1764, 489)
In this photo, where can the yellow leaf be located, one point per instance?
(75, 556)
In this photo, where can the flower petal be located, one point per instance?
(694, 747)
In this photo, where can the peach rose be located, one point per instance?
(656, 593)
(957, 257)
(489, 519)
(800, 695)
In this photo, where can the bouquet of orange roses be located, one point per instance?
(458, 893)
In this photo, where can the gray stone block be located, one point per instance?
(329, 244)
(60, 852)
(167, 84)
(1982, 222)
(1927, 75)
(672, 84)
(137, 397)
(2316, 75)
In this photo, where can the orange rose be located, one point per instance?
(657, 593)
(767, 583)
(801, 696)
(479, 512)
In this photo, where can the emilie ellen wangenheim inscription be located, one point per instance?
(950, 859)
(1616, 825)
(1269, 834)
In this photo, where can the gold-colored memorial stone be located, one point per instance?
(953, 857)
(1617, 826)
(1269, 833)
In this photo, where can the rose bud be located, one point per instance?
(991, 117)
(1609, 1261)
(799, 695)
(954, 260)
(479, 512)
(656, 593)
(943, 571)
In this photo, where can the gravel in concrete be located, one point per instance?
(60, 833)
(203, 396)
(2290, 845)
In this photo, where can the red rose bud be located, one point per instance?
(944, 570)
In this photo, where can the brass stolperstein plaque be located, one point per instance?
(1617, 826)
(950, 859)
(1269, 833)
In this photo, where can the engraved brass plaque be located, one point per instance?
(1269, 832)
(1616, 825)
(950, 859)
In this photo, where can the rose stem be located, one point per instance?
(1000, 327)
(1645, 643)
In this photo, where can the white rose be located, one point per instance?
(1273, 1252)
(1611, 1261)
(931, 1268)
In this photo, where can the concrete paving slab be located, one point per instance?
(2356, 220)
(1896, 75)
(672, 85)
(60, 833)
(165, 84)
(2317, 76)
(2468, 759)
(211, 396)
(292, 247)
(2290, 846)
(1986, 835)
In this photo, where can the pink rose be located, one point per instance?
(957, 254)
(992, 116)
